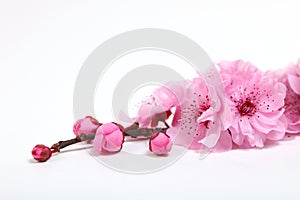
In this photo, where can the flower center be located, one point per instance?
(246, 108)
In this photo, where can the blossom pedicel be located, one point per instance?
(257, 107)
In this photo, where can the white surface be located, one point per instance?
(42, 47)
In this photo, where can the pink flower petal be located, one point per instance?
(165, 98)
(160, 144)
(108, 128)
(294, 82)
(278, 133)
(108, 138)
(224, 143)
(207, 115)
(269, 118)
(246, 128)
(212, 134)
(236, 136)
(114, 141)
(258, 140)
(274, 99)
(87, 125)
(180, 137)
(98, 142)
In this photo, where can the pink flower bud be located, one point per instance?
(86, 125)
(41, 153)
(160, 144)
(109, 138)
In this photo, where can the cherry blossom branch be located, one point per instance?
(133, 131)
(80, 138)
(43, 153)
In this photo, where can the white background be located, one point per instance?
(42, 47)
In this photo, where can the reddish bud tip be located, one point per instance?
(41, 153)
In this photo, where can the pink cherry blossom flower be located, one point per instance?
(292, 111)
(157, 107)
(197, 117)
(254, 104)
(87, 125)
(109, 138)
(160, 144)
(197, 121)
(293, 76)
(290, 76)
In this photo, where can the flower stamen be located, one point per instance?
(246, 108)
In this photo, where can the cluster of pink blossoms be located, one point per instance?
(255, 107)
(239, 105)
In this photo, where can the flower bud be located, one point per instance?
(86, 125)
(160, 144)
(109, 138)
(41, 153)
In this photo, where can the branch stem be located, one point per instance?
(133, 131)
